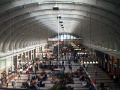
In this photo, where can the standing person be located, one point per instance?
(102, 86)
(63, 60)
(114, 77)
(108, 87)
(28, 76)
(21, 71)
(28, 70)
(35, 69)
(31, 69)
(7, 82)
(78, 67)
(36, 66)
(95, 72)
(86, 66)
(2, 80)
(19, 77)
(14, 84)
(94, 81)
(70, 68)
(63, 67)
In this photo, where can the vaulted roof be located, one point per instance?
(24, 23)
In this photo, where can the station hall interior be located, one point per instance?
(60, 44)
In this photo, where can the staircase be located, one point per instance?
(101, 77)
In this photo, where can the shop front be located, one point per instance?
(106, 60)
(115, 63)
(6, 69)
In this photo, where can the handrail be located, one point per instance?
(93, 87)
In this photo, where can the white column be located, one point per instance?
(6, 67)
(31, 55)
(37, 51)
(18, 58)
(0, 68)
(28, 56)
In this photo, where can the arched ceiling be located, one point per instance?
(25, 23)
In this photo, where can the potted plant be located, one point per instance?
(59, 86)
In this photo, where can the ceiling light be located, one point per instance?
(115, 50)
(55, 7)
(39, 3)
(59, 16)
(61, 22)
(69, 2)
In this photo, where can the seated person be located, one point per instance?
(44, 76)
(84, 83)
(70, 88)
(56, 81)
(27, 84)
(40, 84)
(81, 78)
(33, 87)
(50, 74)
(41, 77)
(28, 70)
(33, 77)
(32, 82)
(24, 84)
(64, 81)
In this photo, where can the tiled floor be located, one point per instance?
(77, 84)
(101, 77)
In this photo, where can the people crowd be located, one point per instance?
(36, 78)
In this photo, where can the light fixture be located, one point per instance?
(110, 49)
(56, 7)
(39, 3)
(115, 50)
(60, 21)
(59, 16)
